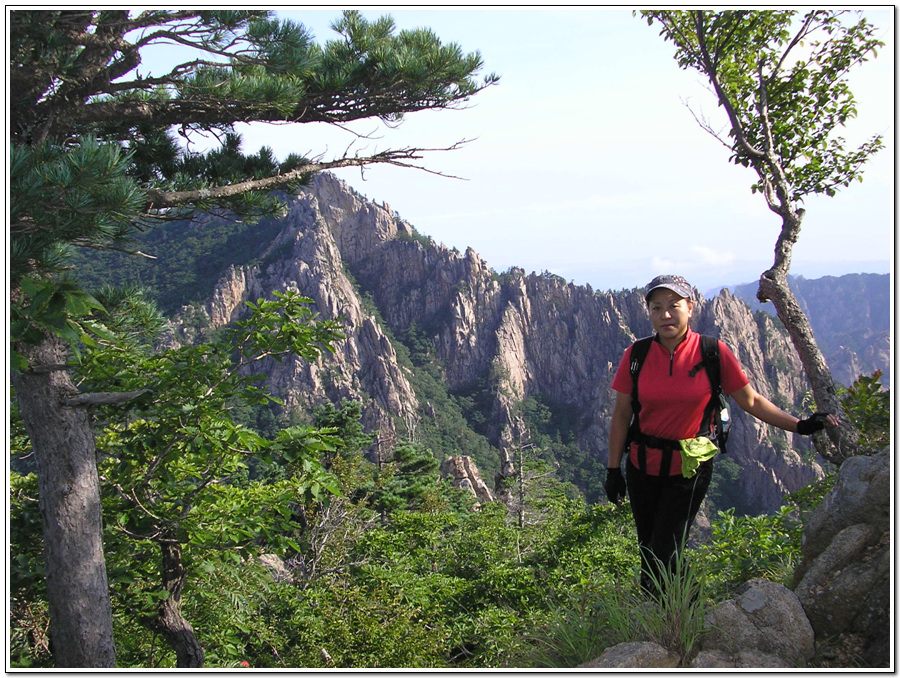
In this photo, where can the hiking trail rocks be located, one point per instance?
(840, 607)
(845, 575)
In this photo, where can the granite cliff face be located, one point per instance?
(521, 335)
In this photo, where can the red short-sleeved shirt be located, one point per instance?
(672, 402)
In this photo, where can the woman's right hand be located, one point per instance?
(615, 485)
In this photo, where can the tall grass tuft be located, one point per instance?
(675, 617)
(671, 616)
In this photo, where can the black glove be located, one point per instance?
(615, 485)
(809, 426)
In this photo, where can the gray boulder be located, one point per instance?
(861, 495)
(639, 655)
(745, 659)
(764, 627)
(767, 621)
(844, 576)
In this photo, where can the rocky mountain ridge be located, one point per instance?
(850, 317)
(511, 335)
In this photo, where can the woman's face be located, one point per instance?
(669, 315)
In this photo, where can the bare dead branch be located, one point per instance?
(159, 200)
(96, 399)
(705, 125)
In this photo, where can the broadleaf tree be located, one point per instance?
(781, 78)
(100, 148)
(172, 463)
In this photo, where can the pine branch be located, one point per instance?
(159, 200)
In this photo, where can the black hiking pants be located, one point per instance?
(664, 510)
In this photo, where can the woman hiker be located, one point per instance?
(669, 464)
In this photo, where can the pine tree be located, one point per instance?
(100, 149)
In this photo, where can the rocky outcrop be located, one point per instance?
(464, 475)
(763, 627)
(637, 655)
(364, 365)
(764, 624)
(518, 335)
(845, 575)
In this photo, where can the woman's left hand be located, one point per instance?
(817, 422)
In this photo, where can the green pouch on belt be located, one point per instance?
(693, 452)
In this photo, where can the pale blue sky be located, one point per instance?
(586, 162)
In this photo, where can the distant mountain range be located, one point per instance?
(850, 316)
(443, 350)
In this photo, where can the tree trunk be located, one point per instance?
(170, 623)
(74, 567)
(521, 507)
(773, 286)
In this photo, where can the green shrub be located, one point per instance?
(868, 406)
(748, 547)
(766, 546)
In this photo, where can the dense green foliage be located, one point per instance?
(868, 405)
(782, 80)
(431, 583)
(425, 588)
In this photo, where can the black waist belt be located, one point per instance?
(657, 443)
(665, 444)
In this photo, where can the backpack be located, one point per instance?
(717, 412)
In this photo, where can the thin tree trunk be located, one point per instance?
(170, 622)
(521, 506)
(773, 286)
(74, 567)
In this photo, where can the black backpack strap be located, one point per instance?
(665, 462)
(709, 361)
(639, 351)
(709, 347)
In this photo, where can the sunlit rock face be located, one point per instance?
(522, 334)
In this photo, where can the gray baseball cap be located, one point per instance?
(676, 283)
